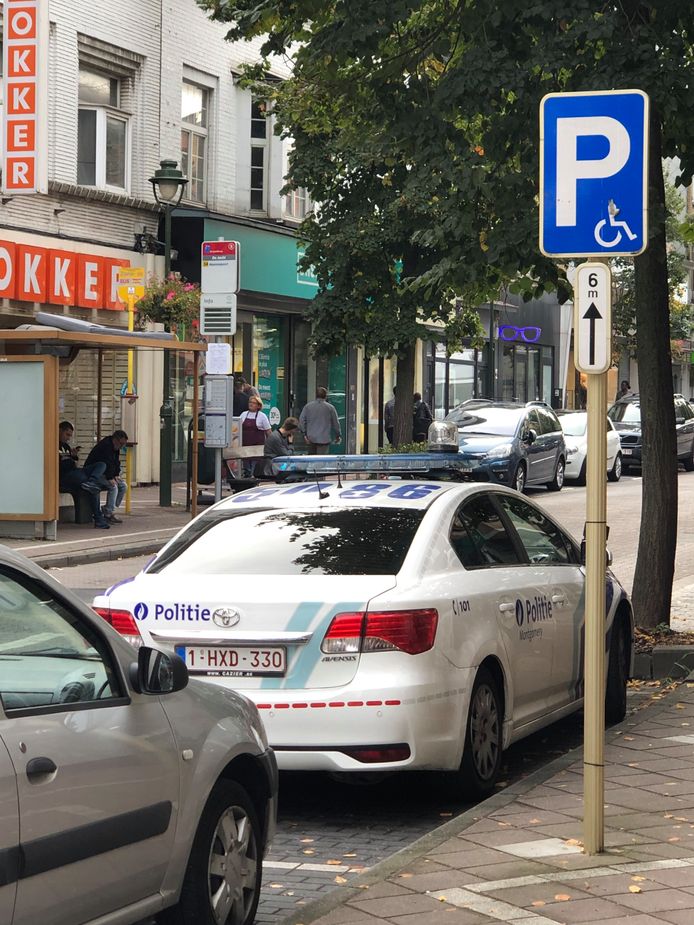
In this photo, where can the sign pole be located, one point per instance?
(129, 467)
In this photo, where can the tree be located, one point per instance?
(418, 118)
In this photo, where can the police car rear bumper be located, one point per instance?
(419, 727)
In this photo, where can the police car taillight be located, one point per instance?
(411, 631)
(122, 621)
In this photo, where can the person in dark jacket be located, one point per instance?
(107, 451)
(389, 416)
(73, 477)
(279, 443)
(240, 397)
(421, 419)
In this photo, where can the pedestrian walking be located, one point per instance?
(255, 427)
(389, 416)
(279, 443)
(421, 419)
(320, 424)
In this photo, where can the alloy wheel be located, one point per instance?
(484, 732)
(232, 867)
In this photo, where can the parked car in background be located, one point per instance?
(575, 427)
(625, 414)
(125, 793)
(511, 444)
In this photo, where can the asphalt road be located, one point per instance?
(330, 830)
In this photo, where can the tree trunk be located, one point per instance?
(655, 563)
(402, 430)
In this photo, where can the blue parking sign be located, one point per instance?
(594, 173)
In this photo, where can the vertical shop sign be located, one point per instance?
(24, 116)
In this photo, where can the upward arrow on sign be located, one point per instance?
(592, 315)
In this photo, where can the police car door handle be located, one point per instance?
(558, 598)
(507, 607)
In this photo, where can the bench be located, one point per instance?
(75, 507)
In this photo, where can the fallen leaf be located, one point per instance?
(340, 880)
(351, 854)
(442, 899)
(674, 838)
(535, 822)
(333, 861)
(276, 886)
(637, 878)
(307, 841)
(628, 738)
(538, 902)
(562, 897)
(679, 706)
(572, 841)
(444, 815)
(309, 851)
(634, 889)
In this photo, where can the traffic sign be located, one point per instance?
(594, 173)
(131, 283)
(593, 318)
(219, 266)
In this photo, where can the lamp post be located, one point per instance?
(168, 184)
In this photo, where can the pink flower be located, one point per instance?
(170, 295)
(189, 287)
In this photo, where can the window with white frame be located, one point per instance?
(102, 132)
(297, 204)
(195, 106)
(259, 156)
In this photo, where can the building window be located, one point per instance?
(195, 106)
(102, 132)
(297, 204)
(259, 142)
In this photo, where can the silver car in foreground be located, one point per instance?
(125, 792)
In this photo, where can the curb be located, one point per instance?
(381, 871)
(664, 662)
(90, 556)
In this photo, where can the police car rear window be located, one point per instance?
(345, 541)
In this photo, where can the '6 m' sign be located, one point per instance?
(25, 52)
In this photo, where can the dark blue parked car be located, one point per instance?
(511, 444)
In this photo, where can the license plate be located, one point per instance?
(234, 661)
(627, 452)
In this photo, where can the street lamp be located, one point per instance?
(168, 184)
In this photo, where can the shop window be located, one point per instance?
(259, 155)
(195, 105)
(102, 132)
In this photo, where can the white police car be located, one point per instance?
(381, 625)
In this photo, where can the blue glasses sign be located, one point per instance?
(530, 334)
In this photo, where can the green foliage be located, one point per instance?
(172, 302)
(405, 448)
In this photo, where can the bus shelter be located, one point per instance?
(30, 360)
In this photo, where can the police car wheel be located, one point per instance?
(617, 671)
(222, 882)
(483, 738)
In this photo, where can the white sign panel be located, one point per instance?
(594, 173)
(593, 318)
(218, 314)
(219, 266)
(218, 360)
(25, 97)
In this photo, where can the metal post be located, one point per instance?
(166, 411)
(129, 467)
(594, 706)
(196, 412)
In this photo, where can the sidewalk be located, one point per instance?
(144, 530)
(517, 857)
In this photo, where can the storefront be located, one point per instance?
(271, 346)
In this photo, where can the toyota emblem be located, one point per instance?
(226, 616)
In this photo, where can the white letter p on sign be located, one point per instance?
(570, 169)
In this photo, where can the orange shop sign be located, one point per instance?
(59, 277)
(24, 123)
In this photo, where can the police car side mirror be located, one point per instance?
(158, 672)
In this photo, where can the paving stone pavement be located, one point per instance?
(518, 857)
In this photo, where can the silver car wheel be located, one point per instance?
(484, 732)
(519, 478)
(232, 867)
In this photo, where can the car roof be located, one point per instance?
(414, 494)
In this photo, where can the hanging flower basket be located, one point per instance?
(172, 302)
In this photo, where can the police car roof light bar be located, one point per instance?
(390, 463)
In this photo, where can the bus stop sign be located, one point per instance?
(593, 173)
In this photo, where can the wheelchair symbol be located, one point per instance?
(613, 212)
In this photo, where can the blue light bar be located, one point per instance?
(391, 463)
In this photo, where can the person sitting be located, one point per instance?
(279, 443)
(73, 477)
(107, 452)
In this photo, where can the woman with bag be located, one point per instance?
(255, 427)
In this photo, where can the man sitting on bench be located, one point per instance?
(72, 478)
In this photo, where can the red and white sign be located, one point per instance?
(59, 277)
(219, 266)
(25, 55)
